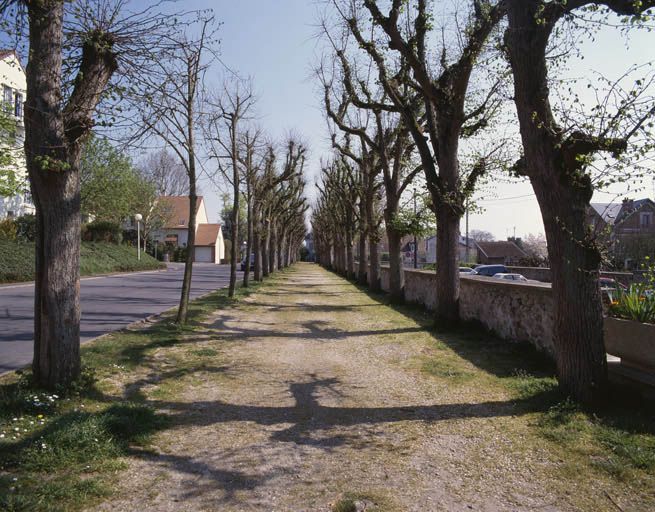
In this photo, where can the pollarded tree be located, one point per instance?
(80, 53)
(444, 120)
(170, 109)
(558, 161)
(232, 106)
(388, 139)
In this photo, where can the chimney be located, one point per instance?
(628, 204)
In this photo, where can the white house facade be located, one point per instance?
(13, 87)
(209, 244)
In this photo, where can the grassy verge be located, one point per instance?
(17, 260)
(63, 451)
(616, 442)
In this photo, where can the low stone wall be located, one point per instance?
(513, 311)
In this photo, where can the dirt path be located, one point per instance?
(313, 391)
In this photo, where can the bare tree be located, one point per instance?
(479, 235)
(164, 170)
(557, 159)
(253, 159)
(437, 128)
(232, 106)
(73, 59)
(170, 97)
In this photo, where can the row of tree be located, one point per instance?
(139, 71)
(402, 98)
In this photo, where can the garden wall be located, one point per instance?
(513, 311)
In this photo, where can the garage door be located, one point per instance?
(204, 254)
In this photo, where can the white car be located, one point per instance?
(466, 270)
(511, 277)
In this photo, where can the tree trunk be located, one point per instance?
(257, 243)
(362, 266)
(183, 309)
(396, 274)
(265, 248)
(234, 250)
(246, 273)
(350, 256)
(283, 261)
(563, 194)
(53, 141)
(447, 310)
(272, 249)
(374, 282)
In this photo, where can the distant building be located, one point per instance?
(499, 253)
(628, 228)
(209, 245)
(464, 255)
(14, 85)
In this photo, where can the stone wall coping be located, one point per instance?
(490, 281)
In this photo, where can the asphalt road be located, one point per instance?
(108, 303)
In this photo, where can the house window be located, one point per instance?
(646, 219)
(27, 197)
(11, 214)
(18, 107)
(7, 98)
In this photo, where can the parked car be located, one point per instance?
(511, 277)
(252, 263)
(490, 270)
(466, 270)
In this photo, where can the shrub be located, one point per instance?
(8, 229)
(26, 228)
(180, 254)
(103, 231)
(637, 303)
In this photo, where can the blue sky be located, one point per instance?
(273, 41)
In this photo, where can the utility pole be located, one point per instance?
(466, 206)
(415, 240)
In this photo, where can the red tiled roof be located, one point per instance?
(207, 234)
(179, 214)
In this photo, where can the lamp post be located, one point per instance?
(138, 218)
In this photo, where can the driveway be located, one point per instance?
(108, 303)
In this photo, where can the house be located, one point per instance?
(499, 253)
(14, 85)
(464, 255)
(626, 219)
(627, 228)
(209, 245)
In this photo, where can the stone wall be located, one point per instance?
(512, 310)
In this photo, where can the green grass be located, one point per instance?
(17, 260)
(373, 502)
(62, 451)
(617, 440)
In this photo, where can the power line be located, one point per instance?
(506, 198)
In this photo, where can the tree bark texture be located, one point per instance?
(53, 141)
(563, 197)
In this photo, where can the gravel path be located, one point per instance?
(312, 392)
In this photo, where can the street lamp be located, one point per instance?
(138, 218)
